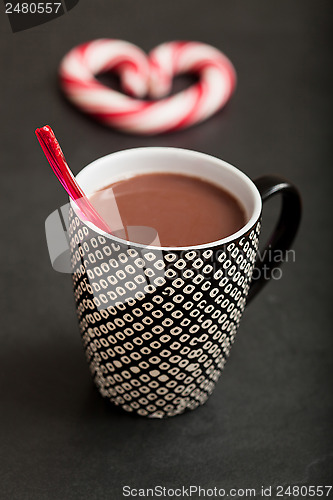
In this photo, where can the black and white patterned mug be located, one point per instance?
(158, 323)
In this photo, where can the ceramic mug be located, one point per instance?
(158, 323)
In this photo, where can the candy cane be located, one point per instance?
(143, 76)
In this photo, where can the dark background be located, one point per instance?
(269, 421)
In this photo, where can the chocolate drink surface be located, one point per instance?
(184, 210)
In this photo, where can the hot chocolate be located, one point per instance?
(184, 210)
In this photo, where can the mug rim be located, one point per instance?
(254, 217)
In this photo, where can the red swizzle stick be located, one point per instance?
(56, 159)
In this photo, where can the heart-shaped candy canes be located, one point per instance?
(147, 76)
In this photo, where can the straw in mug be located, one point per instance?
(56, 159)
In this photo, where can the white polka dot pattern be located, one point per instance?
(157, 326)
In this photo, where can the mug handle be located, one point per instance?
(285, 229)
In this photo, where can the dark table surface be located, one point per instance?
(269, 421)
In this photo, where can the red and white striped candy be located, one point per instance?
(146, 77)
